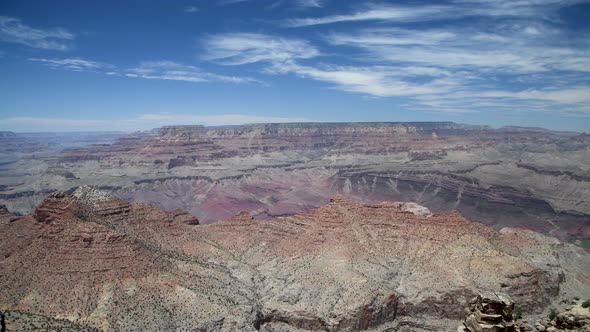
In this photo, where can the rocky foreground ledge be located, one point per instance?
(90, 261)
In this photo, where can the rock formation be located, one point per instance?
(489, 312)
(511, 177)
(575, 317)
(94, 261)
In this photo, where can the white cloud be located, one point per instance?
(376, 12)
(509, 51)
(449, 69)
(375, 81)
(532, 30)
(230, 2)
(574, 95)
(390, 36)
(452, 10)
(155, 70)
(191, 9)
(172, 71)
(458, 49)
(244, 48)
(14, 31)
(282, 54)
(74, 64)
(309, 3)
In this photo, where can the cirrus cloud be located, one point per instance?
(13, 30)
(245, 48)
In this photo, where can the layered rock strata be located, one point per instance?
(523, 177)
(102, 263)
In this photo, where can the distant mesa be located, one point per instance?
(499, 177)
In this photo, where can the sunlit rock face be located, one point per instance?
(103, 263)
(515, 177)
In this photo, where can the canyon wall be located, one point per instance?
(88, 260)
(518, 177)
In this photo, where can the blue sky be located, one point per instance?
(135, 65)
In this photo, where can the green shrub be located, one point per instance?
(586, 304)
(517, 314)
(552, 314)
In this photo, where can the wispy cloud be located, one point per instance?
(429, 12)
(376, 81)
(309, 3)
(376, 12)
(448, 69)
(74, 64)
(173, 71)
(517, 66)
(230, 2)
(244, 48)
(191, 9)
(282, 56)
(12, 30)
(153, 70)
(391, 36)
(513, 50)
(574, 95)
(464, 56)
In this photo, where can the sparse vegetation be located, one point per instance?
(583, 243)
(27, 321)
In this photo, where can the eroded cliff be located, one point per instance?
(530, 178)
(100, 262)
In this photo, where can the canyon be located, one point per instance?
(512, 176)
(90, 261)
(292, 227)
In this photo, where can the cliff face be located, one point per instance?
(323, 129)
(26, 143)
(202, 143)
(530, 178)
(100, 262)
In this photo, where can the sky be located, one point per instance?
(129, 65)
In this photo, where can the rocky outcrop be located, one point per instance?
(416, 209)
(5, 214)
(54, 207)
(345, 266)
(575, 317)
(100, 206)
(489, 312)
